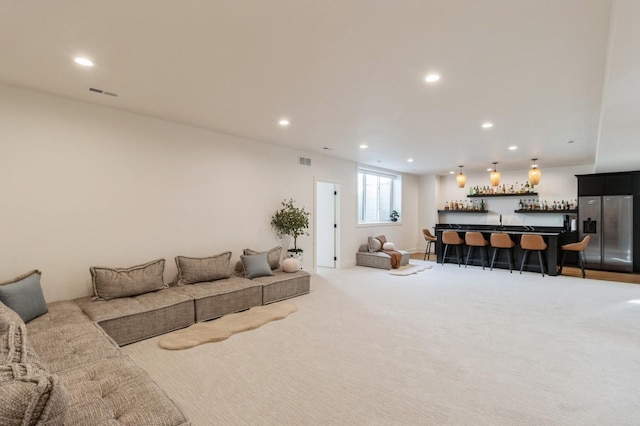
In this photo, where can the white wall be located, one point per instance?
(84, 185)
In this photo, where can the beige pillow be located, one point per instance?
(111, 283)
(273, 256)
(193, 270)
(374, 245)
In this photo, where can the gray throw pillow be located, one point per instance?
(111, 283)
(256, 265)
(193, 270)
(273, 256)
(24, 295)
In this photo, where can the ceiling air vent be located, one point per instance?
(305, 161)
(102, 92)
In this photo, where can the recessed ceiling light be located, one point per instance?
(451, 172)
(489, 169)
(364, 146)
(409, 160)
(513, 148)
(83, 61)
(571, 141)
(432, 78)
(326, 148)
(487, 125)
(283, 122)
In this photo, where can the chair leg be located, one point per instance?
(493, 259)
(564, 254)
(485, 255)
(444, 255)
(541, 261)
(524, 259)
(426, 250)
(459, 254)
(511, 260)
(468, 255)
(581, 264)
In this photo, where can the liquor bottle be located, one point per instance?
(446, 205)
(520, 205)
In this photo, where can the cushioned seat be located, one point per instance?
(452, 238)
(532, 242)
(378, 259)
(130, 319)
(115, 391)
(579, 248)
(217, 298)
(431, 241)
(499, 242)
(283, 285)
(473, 240)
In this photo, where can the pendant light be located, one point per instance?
(494, 176)
(461, 178)
(534, 173)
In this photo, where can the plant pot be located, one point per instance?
(296, 254)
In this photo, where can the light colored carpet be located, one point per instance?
(223, 328)
(451, 346)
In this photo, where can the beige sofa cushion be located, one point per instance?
(111, 283)
(193, 270)
(29, 394)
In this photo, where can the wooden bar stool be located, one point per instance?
(430, 239)
(473, 240)
(499, 242)
(451, 238)
(579, 247)
(532, 242)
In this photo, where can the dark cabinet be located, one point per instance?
(590, 185)
(618, 184)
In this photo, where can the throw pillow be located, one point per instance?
(193, 270)
(111, 283)
(273, 256)
(374, 245)
(382, 239)
(256, 265)
(290, 265)
(24, 295)
(388, 246)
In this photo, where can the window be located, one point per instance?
(378, 194)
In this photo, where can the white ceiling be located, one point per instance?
(345, 72)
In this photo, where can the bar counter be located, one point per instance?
(554, 236)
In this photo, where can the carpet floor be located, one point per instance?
(446, 346)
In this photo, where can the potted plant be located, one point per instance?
(293, 221)
(394, 215)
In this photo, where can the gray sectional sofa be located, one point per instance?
(65, 367)
(378, 259)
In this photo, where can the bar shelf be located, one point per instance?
(523, 195)
(463, 211)
(547, 211)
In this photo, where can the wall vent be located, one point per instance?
(102, 92)
(305, 161)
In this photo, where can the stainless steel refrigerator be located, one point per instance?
(609, 221)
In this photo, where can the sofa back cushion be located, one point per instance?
(29, 394)
(111, 283)
(193, 270)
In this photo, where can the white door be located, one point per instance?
(326, 225)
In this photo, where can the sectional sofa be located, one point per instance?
(64, 367)
(373, 254)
